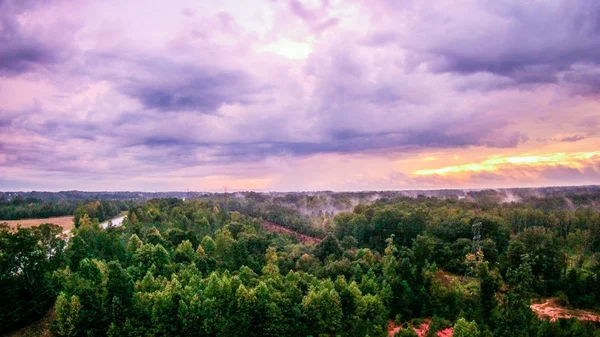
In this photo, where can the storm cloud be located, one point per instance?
(166, 86)
(106, 91)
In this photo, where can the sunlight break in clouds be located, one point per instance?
(290, 49)
(297, 94)
(576, 160)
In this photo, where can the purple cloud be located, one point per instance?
(527, 42)
(26, 45)
(174, 88)
(121, 92)
(571, 139)
(317, 19)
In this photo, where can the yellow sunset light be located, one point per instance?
(573, 160)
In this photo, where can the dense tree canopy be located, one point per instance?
(209, 267)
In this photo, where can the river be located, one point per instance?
(114, 222)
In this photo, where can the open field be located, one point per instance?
(66, 222)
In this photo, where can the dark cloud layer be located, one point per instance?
(20, 56)
(529, 42)
(192, 89)
(23, 49)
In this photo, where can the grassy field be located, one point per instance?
(66, 222)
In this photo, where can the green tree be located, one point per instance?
(68, 315)
(322, 310)
(328, 246)
(271, 269)
(515, 314)
(489, 286)
(150, 256)
(119, 292)
(209, 246)
(28, 256)
(245, 306)
(133, 244)
(464, 328)
(406, 332)
(184, 253)
(132, 223)
(547, 260)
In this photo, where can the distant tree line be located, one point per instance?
(30, 208)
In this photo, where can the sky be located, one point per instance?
(298, 95)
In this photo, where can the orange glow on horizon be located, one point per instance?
(572, 160)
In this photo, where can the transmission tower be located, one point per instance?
(476, 237)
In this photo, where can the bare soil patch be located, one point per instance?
(393, 328)
(273, 227)
(445, 333)
(66, 222)
(421, 330)
(552, 310)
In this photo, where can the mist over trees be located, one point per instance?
(208, 266)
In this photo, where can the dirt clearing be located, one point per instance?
(66, 222)
(273, 227)
(551, 309)
(421, 330)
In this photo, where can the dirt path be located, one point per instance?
(551, 309)
(273, 227)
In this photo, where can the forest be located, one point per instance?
(208, 266)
